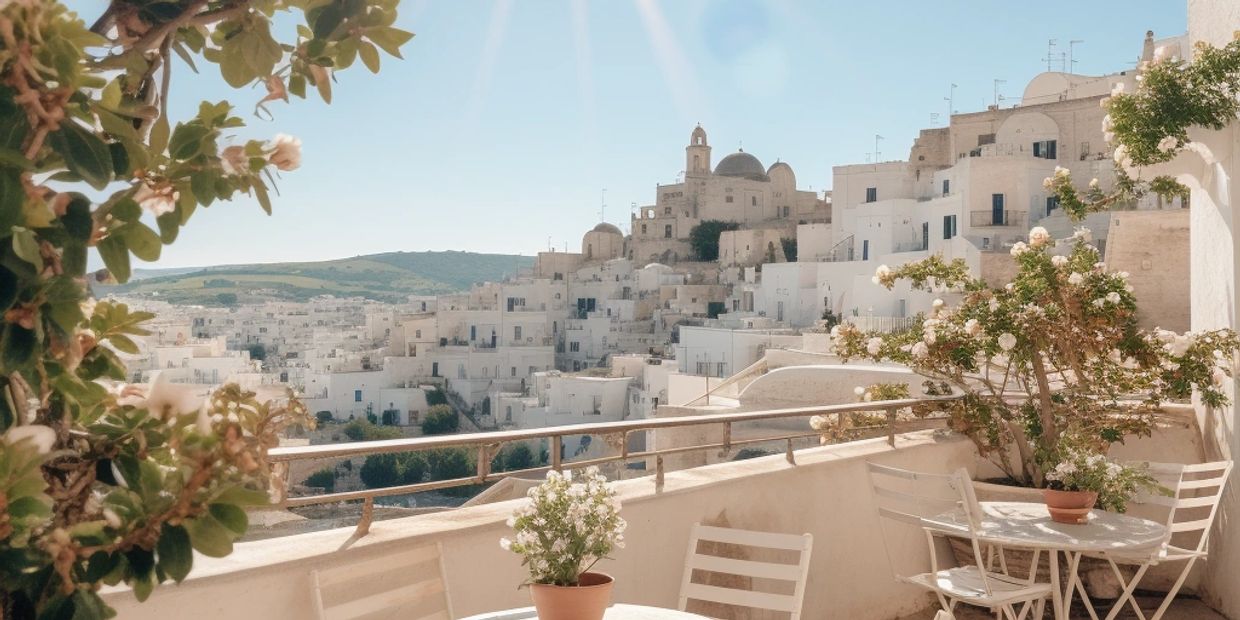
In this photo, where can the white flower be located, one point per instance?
(1120, 154)
(1118, 89)
(881, 274)
(1098, 303)
(1093, 183)
(867, 397)
(819, 422)
(1019, 248)
(1168, 144)
(920, 350)
(1108, 136)
(505, 544)
(42, 438)
(1106, 123)
(873, 346)
(993, 305)
(284, 152)
(1048, 183)
(1219, 376)
(972, 327)
(1113, 297)
(1160, 53)
(937, 303)
(1007, 341)
(1038, 236)
(1076, 279)
(234, 160)
(1083, 233)
(930, 336)
(157, 200)
(1059, 260)
(1061, 172)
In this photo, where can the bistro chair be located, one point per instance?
(746, 571)
(410, 585)
(907, 498)
(1191, 508)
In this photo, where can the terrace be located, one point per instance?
(821, 490)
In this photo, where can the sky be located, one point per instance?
(509, 123)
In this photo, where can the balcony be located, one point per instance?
(984, 219)
(821, 490)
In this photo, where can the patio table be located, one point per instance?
(615, 612)
(1026, 525)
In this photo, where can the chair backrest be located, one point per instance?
(908, 497)
(409, 585)
(1195, 494)
(744, 571)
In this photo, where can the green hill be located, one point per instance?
(391, 276)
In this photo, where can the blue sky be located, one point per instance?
(507, 119)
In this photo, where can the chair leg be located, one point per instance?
(1129, 588)
(1089, 604)
(1175, 589)
(1039, 609)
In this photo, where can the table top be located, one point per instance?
(615, 612)
(1029, 525)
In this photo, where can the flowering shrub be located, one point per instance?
(851, 426)
(1150, 125)
(1115, 484)
(567, 527)
(102, 482)
(1055, 356)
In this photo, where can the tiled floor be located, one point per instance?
(1182, 609)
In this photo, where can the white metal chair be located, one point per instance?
(410, 585)
(766, 543)
(908, 498)
(1191, 508)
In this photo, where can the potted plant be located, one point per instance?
(564, 530)
(1082, 481)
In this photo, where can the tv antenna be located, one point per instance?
(1071, 49)
(998, 97)
(1052, 55)
(602, 206)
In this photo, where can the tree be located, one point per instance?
(391, 417)
(436, 397)
(1049, 365)
(412, 467)
(91, 161)
(323, 479)
(323, 417)
(451, 464)
(226, 299)
(790, 248)
(365, 430)
(704, 238)
(380, 470)
(440, 420)
(518, 457)
(258, 351)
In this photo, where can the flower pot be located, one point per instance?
(587, 600)
(1069, 506)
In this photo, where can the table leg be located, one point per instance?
(1056, 592)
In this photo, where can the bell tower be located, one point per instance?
(697, 154)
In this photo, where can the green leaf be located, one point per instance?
(390, 39)
(77, 219)
(175, 553)
(243, 496)
(169, 226)
(297, 85)
(18, 347)
(126, 210)
(209, 537)
(327, 19)
(186, 141)
(14, 158)
(26, 247)
(12, 198)
(370, 56)
(230, 516)
(115, 257)
(85, 154)
(264, 201)
(120, 160)
(159, 135)
(142, 241)
(203, 186)
(188, 58)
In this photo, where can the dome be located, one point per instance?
(604, 227)
(742, 164)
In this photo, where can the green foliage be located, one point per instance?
(380, 471)
(790, 248)
(323, 417)
(226, 299)
(390, 417)
(451, 464)
(1115, 484)
(514, 458)
(440, 419)
(704, 238)
(89, 159)
(1051, 360)
(365, 430)
(436, 397)
(324, 479)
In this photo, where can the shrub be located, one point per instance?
(450, 464)
(704, 238)
(359, 430)
(323, 417)
(412, 467)
(380, 470)
(518, 457)
(391, 417)
(440, 419)
(324, 479)
(436, 397)
(790, 248)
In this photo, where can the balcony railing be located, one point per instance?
(990, 218)
(616, 434)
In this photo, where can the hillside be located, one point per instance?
(390, 276)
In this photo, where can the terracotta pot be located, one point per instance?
(587, 600)
(1069, 506)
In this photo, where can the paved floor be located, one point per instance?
(1182, 609)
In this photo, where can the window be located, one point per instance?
(1045, 149)
(720, 369)
(1084, 151)
(753, 201)
(667, 231)
(785, 211)
(434, 369)
(871, 194)
(516, 333)
(574, 347)
(986, 138)
(865, 249)
(417, 333)
(947, 187)
(727, 199)
(1052, 203)
(949, 226)
(996, 210)
(357, 396)
(643, 229)
(667, 210)
(514, 371)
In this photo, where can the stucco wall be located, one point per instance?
(1152, 246)
(826, 494)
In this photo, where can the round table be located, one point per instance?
(1025, 525)
(615, 612)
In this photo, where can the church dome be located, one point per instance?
(604, 227)
(743, 165)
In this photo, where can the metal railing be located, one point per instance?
(616, 434)
(987, 218)
(884, 324)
